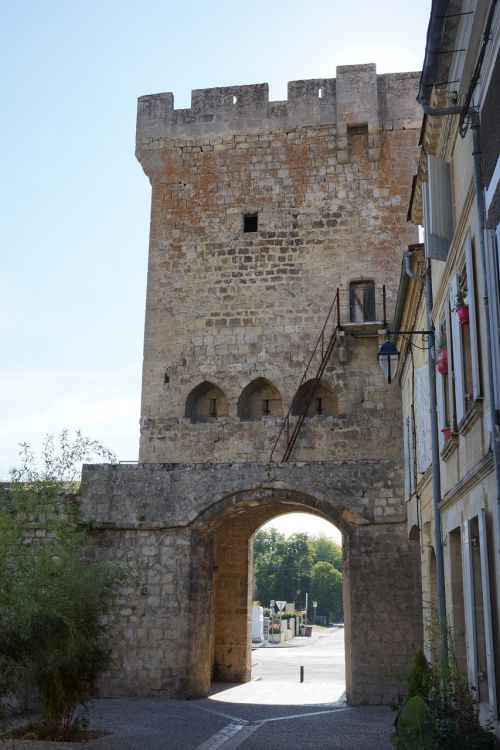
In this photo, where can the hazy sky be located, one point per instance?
(74, 202)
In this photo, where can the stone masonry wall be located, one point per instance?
(328, 173)
(187, 531)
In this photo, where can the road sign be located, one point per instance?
(315, 604)
(280, 605)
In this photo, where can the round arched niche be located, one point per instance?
(323, 401)
(206, 403)
(259, 399)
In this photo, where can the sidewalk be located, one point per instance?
(299, 640)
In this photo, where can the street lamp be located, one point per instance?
(388, 357)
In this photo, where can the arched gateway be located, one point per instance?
(263, 214)
(189, 620)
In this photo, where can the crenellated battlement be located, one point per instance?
(356, 97)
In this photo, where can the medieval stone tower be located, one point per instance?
(277, 230)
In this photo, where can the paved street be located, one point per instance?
(273, 711)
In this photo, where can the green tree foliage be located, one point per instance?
(54, 596)
(324, 549)
(326, 588)
(287, 569)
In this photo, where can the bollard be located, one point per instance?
(302, 674)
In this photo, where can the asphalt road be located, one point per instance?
(274, 710)
(322, 657)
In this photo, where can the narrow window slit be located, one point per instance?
(250, 222)
(213, 407)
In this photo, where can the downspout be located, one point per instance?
(481, 213)
(436, 469)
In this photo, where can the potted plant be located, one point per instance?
(461, 307)
(446, 432)
(442, 357)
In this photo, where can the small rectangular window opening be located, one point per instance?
(320, 93)
(319, 406)
(235, 99)
(250, 222)
(213, 407)
(265, 407)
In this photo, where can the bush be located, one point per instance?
(441, 711)
(55, 597)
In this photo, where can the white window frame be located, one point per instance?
(456, 337)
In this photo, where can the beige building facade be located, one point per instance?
(455, 198)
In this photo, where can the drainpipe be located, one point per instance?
(481, 213)
(436, 468)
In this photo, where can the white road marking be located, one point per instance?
(309, 713)
(238, 730)
(223, 736)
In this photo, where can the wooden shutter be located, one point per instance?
(413, 448)
(488, 626)
(473, 327)
(451, 384)
(423, 419)
(407, 456)
(458, 371)
(493, 290)
(438, 209)
(469, 605)
(440, 407)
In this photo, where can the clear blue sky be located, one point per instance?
(74, 202)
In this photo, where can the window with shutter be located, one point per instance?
(465, 336)
(493, 273)
(438, 209)
(423, 420)
(407, 457)
(456, 337)
(362, 301)
(470, 272)
(443, 404)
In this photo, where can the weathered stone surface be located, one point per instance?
(227, 306)
(232, 316)
(188, 617)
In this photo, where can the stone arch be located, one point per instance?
(414, 534)
(272, 500)
(258, 399)
(372, 589)
(195, 524)
(206, 403)
(323, 400)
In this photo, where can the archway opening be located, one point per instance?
(206, 403)
(312, 569)
(260, 399)
(320, 397)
